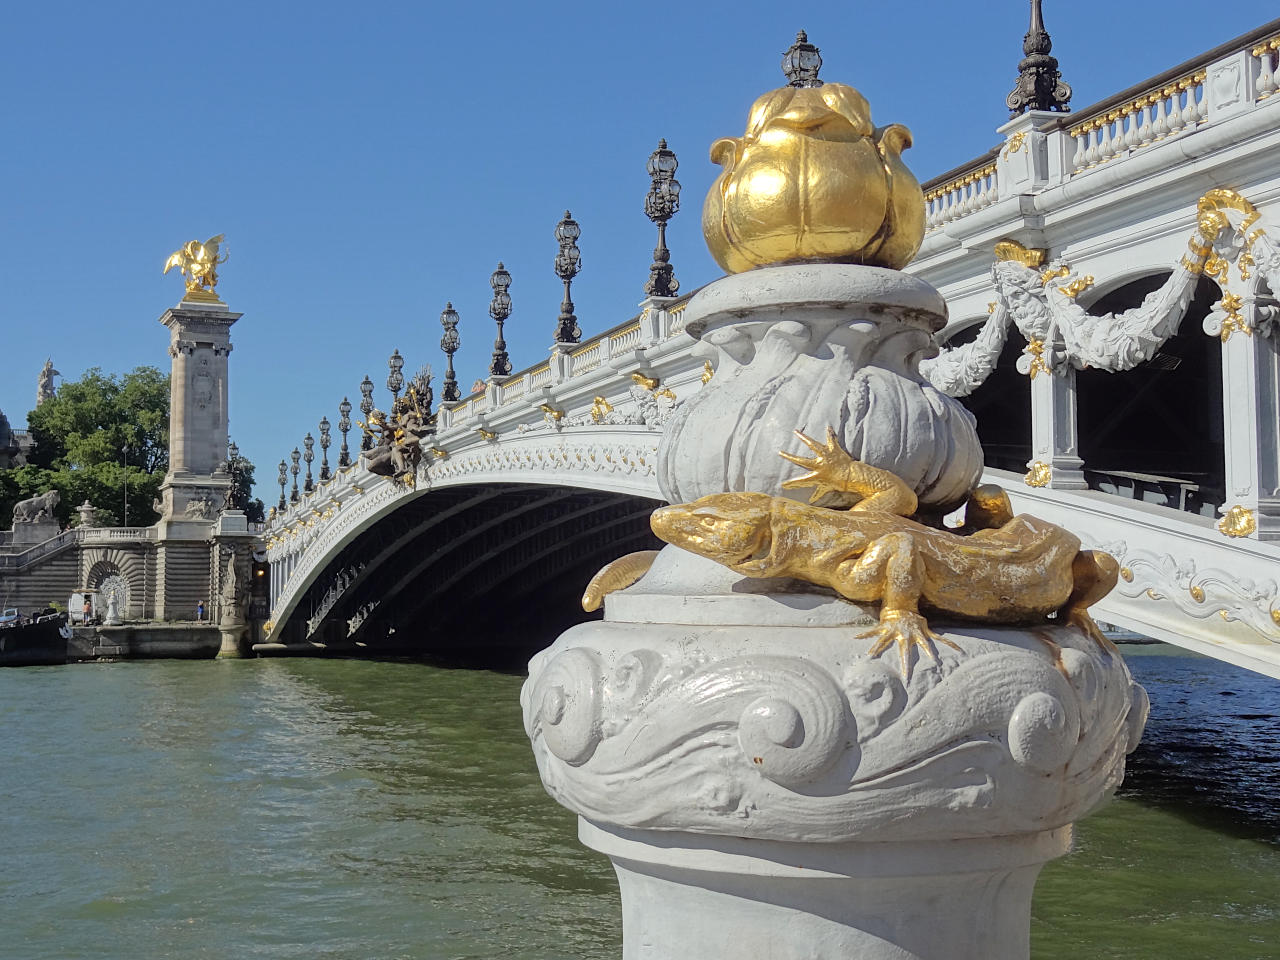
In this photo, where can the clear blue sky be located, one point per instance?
(369, 161)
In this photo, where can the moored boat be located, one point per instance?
(30, 641)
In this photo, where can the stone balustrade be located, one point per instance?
(962, 194)
(1232, 79)
(1166, 111)
(659, 322)
(68, 538)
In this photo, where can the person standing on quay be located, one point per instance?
(200, 610)
(86, 610)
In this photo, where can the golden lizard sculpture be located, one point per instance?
(999, 568)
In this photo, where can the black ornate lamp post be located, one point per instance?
(500, 309)
(233, 453)
(308, 454)
(395, 379)
(801, 62)
(366, 407)
(283, 505)
(1040, 85)
(449, 344)
(660, 205)
(344, 424)
(293, 468)
(568, 263)
(324, 449)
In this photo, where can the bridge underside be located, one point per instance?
(475, 574)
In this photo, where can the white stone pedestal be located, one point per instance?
(702, 898)
(232, 633)
(767, 790)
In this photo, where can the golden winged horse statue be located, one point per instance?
(198, 262)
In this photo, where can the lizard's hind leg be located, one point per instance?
(891, 571)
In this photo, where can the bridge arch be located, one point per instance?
(483, 561)
(1002, 402)
(1156, 432)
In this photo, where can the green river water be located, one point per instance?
(344, 809)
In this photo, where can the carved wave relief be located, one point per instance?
(795, 734)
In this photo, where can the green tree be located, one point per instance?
(97, 437)
(100, 436)
(239, 497)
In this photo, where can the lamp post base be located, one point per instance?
(699, 897)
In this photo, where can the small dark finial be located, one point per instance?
(800, 64)
(1040, 85)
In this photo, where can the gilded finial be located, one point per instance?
(198, 263)
(813, 179)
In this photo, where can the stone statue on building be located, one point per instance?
(88, 514)
(36, 509)
(44, 382)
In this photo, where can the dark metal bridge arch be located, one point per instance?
(474, 573)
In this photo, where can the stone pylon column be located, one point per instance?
(195, 488)
(199, 345)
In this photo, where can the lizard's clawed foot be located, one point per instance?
(828, 469)
(906, 629)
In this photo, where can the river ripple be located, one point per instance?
(286, 809)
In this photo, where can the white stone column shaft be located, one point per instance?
(1053, 428)
(1251, 425)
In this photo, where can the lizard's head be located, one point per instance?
(730, 528)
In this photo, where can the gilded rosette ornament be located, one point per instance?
(813, 180)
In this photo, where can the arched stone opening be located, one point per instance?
(479, 574)
(1155, 433)
(1002, 404)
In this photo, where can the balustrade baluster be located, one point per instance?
(1189, 111)
(1106, 147)
(1091, 155)
(1159, 128)
(1176, 121)
(1144, 128)
(1077, 160)
(1266, 83)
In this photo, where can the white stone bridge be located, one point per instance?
(1110, 276)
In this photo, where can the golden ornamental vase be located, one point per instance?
(813, 180)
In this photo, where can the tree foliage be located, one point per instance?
(100, 436)
(96, 438)
(240, 495)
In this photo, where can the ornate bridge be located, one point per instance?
(1111, 277)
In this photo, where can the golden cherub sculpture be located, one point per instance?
(198, 263)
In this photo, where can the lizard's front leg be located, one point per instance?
(891, 571)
